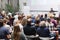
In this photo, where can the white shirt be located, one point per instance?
(21, 27)
(8, 27)
(16, 16)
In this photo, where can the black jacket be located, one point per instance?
(29, 30)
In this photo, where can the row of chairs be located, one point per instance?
(37, 36)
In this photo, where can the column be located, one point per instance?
(15, 4)
(24, 8)
(21, 5)
(3, 3)
(0, 3)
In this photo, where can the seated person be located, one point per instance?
(58, 27)
(42, 31)
(28, 29)
(17, 34)
(37, 24)
(4, 32)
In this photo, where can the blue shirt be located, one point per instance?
(1, 17)
(43, 32)
(4, 32)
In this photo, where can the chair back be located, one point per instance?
(44, 38)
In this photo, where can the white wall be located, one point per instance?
(40, 5)
(3, 3)
(20, 5)
(0, 3)
(44, 4)
(15, 3)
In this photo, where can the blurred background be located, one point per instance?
(25, 6)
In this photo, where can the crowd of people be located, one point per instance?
(19, 26)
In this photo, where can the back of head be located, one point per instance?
(41, 15)
(1, 22)
(37, 22)
(59, 22)
(20, 17)
(4, 20)
(16, 32)
(49, 20)
(42, 23)
(29, 21)
(29, 16)
(16, 28)
(45, 15)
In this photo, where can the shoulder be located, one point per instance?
(4, 28)
(46, 29)
(38, 28)
(7, 26)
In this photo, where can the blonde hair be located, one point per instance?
(42, 23)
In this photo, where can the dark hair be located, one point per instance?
(45, 15)
(29, 22)
(37, 21)
(48, 20)
(41, 15)
(4, 20)
(20, 17)
(1, 23)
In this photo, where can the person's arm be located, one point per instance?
(7, 34)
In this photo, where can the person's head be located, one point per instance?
(20, 17)
(3, 12)
(45, 15)
(38, 15)
(37, 18)
(4, 21)
(52, 16)
(42, 24)
(33, 17)
(1, 17)
(0, 14)
(29, 16)
(1, 22)
(48, 20)
(51, 8)
(22, 14)
(16, 28)
(29, 21)
(37, 22)
(9, 14)
(16, 32)
(41, 16)
(59, 23)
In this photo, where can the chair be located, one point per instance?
(29, 37)
(46, 38)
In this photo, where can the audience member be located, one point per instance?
(22, 25)
(28, 29)
(42, 31)
(4, 32)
